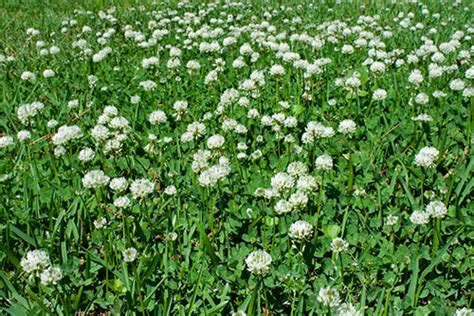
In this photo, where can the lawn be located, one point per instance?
(236, 158)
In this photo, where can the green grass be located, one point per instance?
(193, 245)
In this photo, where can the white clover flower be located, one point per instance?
(258, 262)
(391, 220)
(141, 188)
(426, 157)
(283, 206)
(436, 209)
(148, 85)
(379, 95)
(242, 146)
(119, 184)
(347, 49)
(52, 123)
(277, 70)
(129, 254)
(110, 111)
(329, 296)
(422, 98)
(253, 114)
(468, 92)
(377, 67)
(339, 245)
(469, 74)
(48, 73)
(243, 101)
(135, 99)
(435, 71)
(100, 222)
(59, 151)
(28, 76)
(215, 141)
(289, 139)
(53, 50)
(422, 118)
(347, 127)
(306, 183)
(416, 78)
(301, 230)
(457, 85)
(95, 179)
(103, 119)
(438, 94)
(65, 134)
(298, 200)
(464, 312)
(50, 275)
(180, 106)
(26, 112)
(148, 62)
(35, 261)
(193, 67)
(157, 117)
(282, 182)
(119, 122)
(6, 141)
(214, 174)
(420, 218)
(86, 154)
(23, 135)
(347, 309)
(122, 202)
(113, 145)
(297, 168)
(170, 190)
(324, 162)
(352, 83)
(100, 133)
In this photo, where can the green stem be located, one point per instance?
(436, 235)
(350, 181)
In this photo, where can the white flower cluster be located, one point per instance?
(129, 254)
(95, 179)
(301, 230)
(215, 173)
(426, 157)
(422, 118)
(293, 187)
(6, 141)
(27, 112)
(66, 134)
(101, 55)
(37, 264)
(464, 312)
(339, 245)
(140, 188)
(119, 184)
(194, 131)
(215, 142)
(258, 262)
(434, 209)
(210, 175)
(347, 127)
(315, 130)
(324, 162)
(86, 154)
(157, 117)
(111, 131)
(330, 297)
